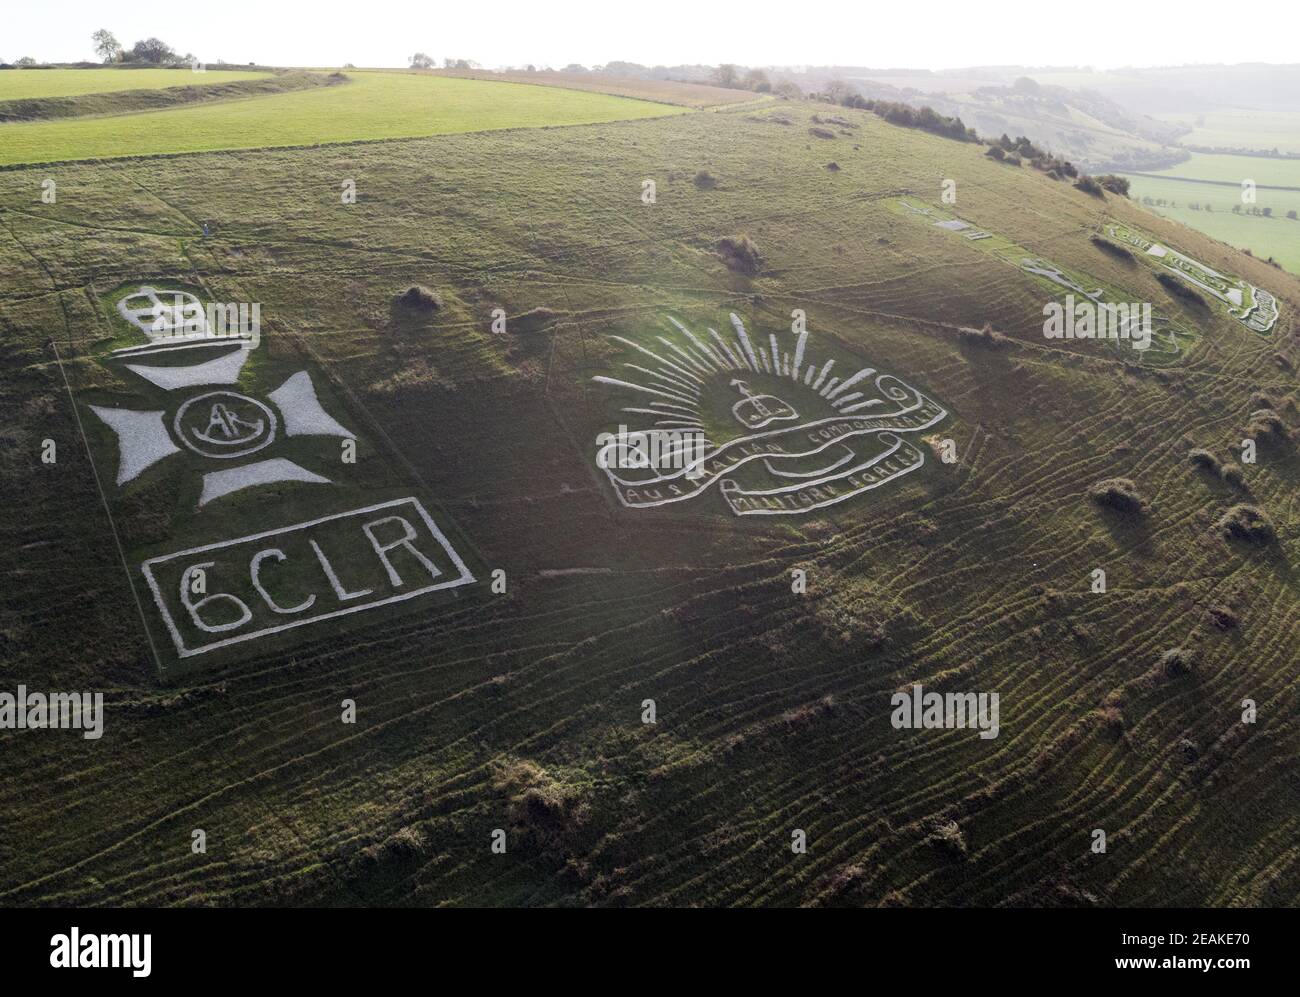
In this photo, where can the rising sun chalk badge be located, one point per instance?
(781, 433)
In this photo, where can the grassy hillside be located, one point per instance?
(372, 106)
(522, 710)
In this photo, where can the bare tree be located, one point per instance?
(106, 46)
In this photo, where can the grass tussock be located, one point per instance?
(1205, 460)
(949, 838)
(418, 298)
(740, 254)
(1247, 523)
(1265, 424)
(1175, 662)
(1119, 494)
(985, 336)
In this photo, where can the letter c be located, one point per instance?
(255, 566)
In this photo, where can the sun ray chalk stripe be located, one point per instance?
(826, 369)
(655, 411)
(735, 360)
(663, 376)
(658, 359)
(661, 382)
(686, 357)
(639, 387)
(745, 345)
(864, 372)
(798, 353)
(713, 360)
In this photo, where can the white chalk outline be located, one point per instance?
(730, 486)
(180, 431)
(464, 578)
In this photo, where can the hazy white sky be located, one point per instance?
(935, 34)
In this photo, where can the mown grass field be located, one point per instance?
(1277, 236)
(522, 710)
(372, 106)
(23, 84)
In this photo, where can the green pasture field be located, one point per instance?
(1277, 236)
(1234, 169)
(372, 106)
(521, 709)
(24, 84)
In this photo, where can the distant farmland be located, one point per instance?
(1239, 128)
(25, 84)
(1204, 191)
(371, 106)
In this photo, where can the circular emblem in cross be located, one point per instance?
(224, 424)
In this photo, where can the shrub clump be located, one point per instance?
(1248, 523)
(821, 132)
(1223, 617)
(1205, 460)
(418, 298)
(533, 320)
(1114, 249)
(1175, 662)
(1088, 185)
(1180, 290)
(950, 838)
(1120, 494)
(986, 336)
(1114, 184)
(1265, 422)
(705, 180)
(834, 167)
(1233, 474)
(740, 254)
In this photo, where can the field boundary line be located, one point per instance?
(112, 525)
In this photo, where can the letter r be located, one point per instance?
(408, 534)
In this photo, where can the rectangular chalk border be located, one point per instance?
(464, 578)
